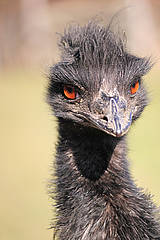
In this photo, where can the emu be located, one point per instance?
(96, 92)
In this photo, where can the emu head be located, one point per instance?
(97, 83)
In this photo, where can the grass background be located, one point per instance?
(28, 134)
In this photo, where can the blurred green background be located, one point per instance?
(28, 129)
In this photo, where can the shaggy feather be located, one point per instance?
(96, 198)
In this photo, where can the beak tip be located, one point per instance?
(118, 132)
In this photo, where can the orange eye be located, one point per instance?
(69, 92)
(134, 88)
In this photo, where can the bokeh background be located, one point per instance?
(27, 128)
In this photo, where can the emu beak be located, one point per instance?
(117, 119)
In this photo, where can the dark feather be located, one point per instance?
(96, 198)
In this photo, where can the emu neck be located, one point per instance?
(96, 198)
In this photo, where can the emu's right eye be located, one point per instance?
(69, 92)
(134, 87)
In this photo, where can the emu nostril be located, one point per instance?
(105, 118)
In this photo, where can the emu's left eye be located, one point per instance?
(69, 92)
(134, 87)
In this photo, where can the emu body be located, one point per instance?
(96, 198)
